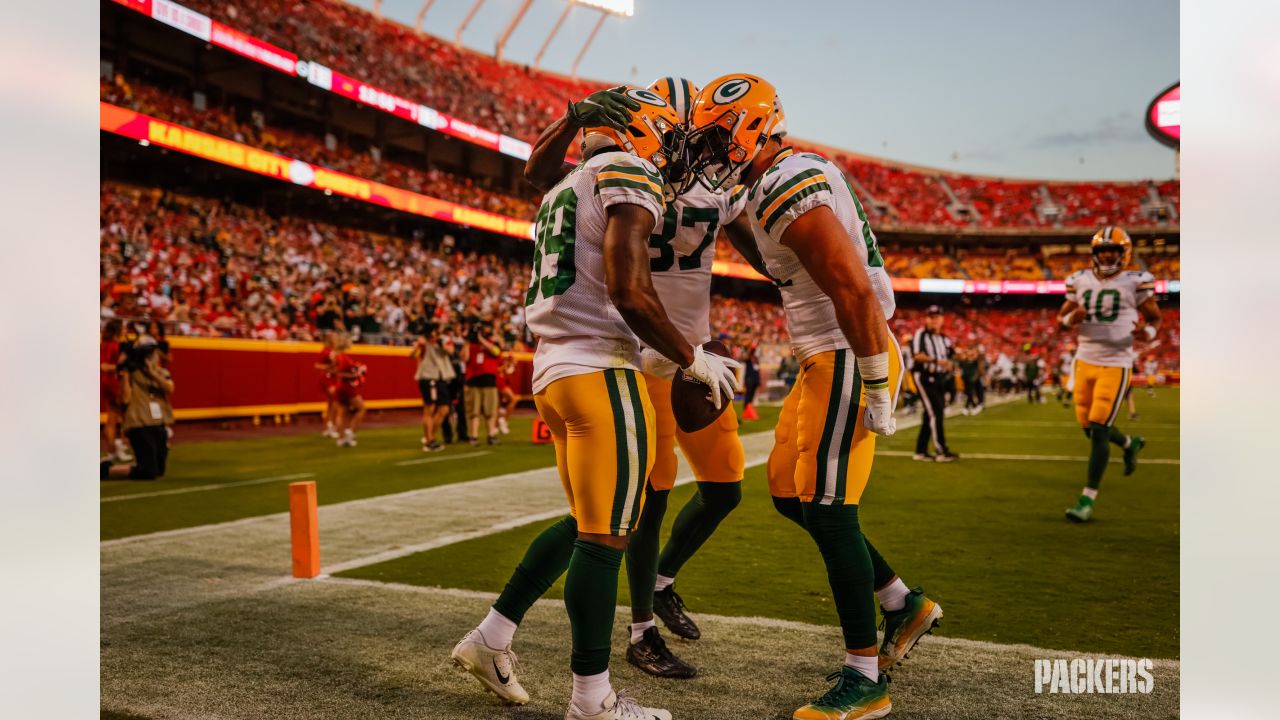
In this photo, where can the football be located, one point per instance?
(691, 399)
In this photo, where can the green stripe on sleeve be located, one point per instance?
(636, 170)
(791, 202)
(786, 185)
(632, 184)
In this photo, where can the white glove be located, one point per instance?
(719, 373)
(878, 416)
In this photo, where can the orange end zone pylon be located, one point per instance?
(304, 529)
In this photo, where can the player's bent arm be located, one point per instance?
(626, 271)
(738, 230)
(1069, 314)
(1149, 322)
(546, 166)
(822, 245)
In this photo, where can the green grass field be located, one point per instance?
(206, 622)
(986, 537)
(371, 469)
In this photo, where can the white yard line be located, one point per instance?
(1041, 458)
(745, 621)
(442, 458)
(203, 488)
(479, 485)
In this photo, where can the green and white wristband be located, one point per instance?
(874, 371)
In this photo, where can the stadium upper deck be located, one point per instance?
(466, 94)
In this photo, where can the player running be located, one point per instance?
(1111, 307)
(591, 301)
(815, 240)
(680, 258)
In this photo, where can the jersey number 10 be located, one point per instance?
(1093, 312)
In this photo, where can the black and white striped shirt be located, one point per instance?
(936, 345)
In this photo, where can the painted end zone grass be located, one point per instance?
(370, 469)
(986, 538)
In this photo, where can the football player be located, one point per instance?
(591, 302)
(816, 242)
(1111, 307)
(680, 258)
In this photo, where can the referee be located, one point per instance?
(931, 353)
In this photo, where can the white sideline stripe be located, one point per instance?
(494, 529)
(202, 488)
(748, 621)
(394, 497)
(1044, 458)
(442, 458)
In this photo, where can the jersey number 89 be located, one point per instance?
(553, 237)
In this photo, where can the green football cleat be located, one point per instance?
(904, 628)
(1082, 512)
(1136, 443)
(855, 697)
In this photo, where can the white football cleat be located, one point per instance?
(495, 669)
(618, 706)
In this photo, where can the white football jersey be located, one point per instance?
(567, 305)
(1111, 311)
(796, 184)
(681, 253)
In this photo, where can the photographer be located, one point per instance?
(434, 373)
(481, 357)
(145, 390)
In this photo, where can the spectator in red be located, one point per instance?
(328, 383)
(110, 400)
(350, 376)
(481, 356)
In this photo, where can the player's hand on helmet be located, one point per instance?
(878, 417)
(718, 373)
(610, 107)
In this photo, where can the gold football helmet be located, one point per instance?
(1114, 238)
(731, 120)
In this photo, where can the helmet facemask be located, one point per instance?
(1108, 269)
(715, 159)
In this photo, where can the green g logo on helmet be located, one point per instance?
(646, 96)
(730, 90)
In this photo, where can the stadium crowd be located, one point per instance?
(519, 101)
(138, 95)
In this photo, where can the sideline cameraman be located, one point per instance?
(145, 389)
(482, 359)
(434, 373)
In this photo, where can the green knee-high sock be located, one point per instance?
(835, 529)
(883, 573)
(790, 509)
(642, 551)
(544, 562)
(590, 593)
(1099, 453)
(697, 520)
(1116, 437)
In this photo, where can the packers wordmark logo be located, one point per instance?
(730, 90)
(647, 96)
